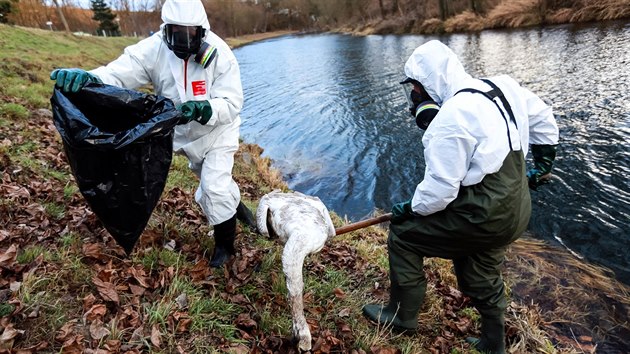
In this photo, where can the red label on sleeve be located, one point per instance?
(199, 88)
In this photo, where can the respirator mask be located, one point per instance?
(185, 41)
(421, 106)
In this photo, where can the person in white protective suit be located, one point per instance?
(193, 67)
(474, 199)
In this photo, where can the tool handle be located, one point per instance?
(364, 223)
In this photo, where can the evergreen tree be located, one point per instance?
(103, 14)
(6, 6)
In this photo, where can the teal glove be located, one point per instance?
(72, 80)
(199, 111)
(402, 212)
(544, 155)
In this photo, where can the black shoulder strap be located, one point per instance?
(491, 95)
(505, 102)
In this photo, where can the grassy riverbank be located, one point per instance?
(66, 287)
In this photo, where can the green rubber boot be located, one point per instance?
(401, 312)
(492, 339)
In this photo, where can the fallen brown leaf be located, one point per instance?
(136, 290)
(106, 290)
(8, 337)
(140, 276)
(246, 322)
(65, 331)
(96, 312)
(112, 345)
(88, 301)
(98, 330)
(344, 312)
(73, 345)
(184, 325)
(94, 250)
(7, 258)
(155, 336)
(32, 349)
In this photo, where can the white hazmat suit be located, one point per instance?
(210, 148)
(457, 150)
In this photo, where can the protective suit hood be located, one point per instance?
(185, 13)
(438, 69)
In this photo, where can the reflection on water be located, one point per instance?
(329, 111)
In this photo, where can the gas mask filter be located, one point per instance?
(425, 112)
(185, 41)
(421, 106)
(205, 55)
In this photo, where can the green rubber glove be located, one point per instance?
(544, 155)
(72, 80)
(402, 212)
(199, 111)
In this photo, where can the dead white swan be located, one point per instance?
(303, 225)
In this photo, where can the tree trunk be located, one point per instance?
(543, 6)
(61, 16)
(396, 7)
(380, 5)
(443, 9)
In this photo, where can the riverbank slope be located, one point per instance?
(65, 285)
(474, 16)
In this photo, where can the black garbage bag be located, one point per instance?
(119, 144)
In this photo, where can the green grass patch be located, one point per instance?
(55, 174)
(69, 240)
(25, 149)
(70, 190)
(155, 257)
(25, 74)
(33, 95)
(30, 253)
(272, 260)
(324, 287)
(213, 314)
(471, 313)
(74, 272)
(42, 293)
(6, 309)
(273, 322)
(279, 284)
(180, 175)
(157, 312)
(55, 210)
(13, 111)
(182, 285)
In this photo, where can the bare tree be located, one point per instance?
(383, 11)
(477, 6)
(396, 7)
(444, 11)
(61, 15)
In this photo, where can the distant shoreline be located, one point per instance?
(235, 42)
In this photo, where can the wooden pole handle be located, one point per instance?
(364, 223)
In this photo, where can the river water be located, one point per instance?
(329, 112)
